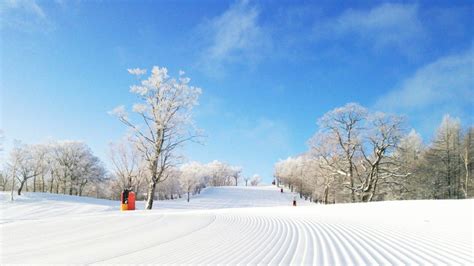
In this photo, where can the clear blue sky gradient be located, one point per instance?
(268, 69)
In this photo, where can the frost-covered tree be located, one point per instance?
(410, 149)
(164, 109)
(222, 174)
(235, 172)
(256, 179)
(343, 124)
(76, 166)
(351, 158)
(246, 179)
(4, 178)
(128, 167)
(444, 159)
(326, 166)
(289, 171)
(409, 156)
(24, 165)
(190, 177)
(170, 187)
(467, 156)
(378, 168)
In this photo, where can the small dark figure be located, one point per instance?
(294, 201)
(125, 196)
(273, 182)
(281, 190)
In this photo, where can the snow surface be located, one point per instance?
(235, 225)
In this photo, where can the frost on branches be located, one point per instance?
(161, 120)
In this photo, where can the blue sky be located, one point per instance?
(268, 69)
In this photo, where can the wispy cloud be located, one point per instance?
(235, 36)
(23, 15)
(443, 86)
(448, 79)
(384, 26)
(29, 6)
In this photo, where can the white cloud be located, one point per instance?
(234, 36)
(136, 71)
(448, 80)
(29, 6)
(24, 15)
(445, 86)
(386, 25)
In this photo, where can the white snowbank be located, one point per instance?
(234, 225)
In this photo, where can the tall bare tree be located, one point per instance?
(384, 137)
(165, 113)
(24, 165)
(444, 158)
(127, 165)
(344, 124)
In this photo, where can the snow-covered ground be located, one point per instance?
(235, 225)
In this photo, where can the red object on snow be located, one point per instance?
(131, 200)
(127, 198)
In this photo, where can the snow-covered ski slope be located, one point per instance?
(235, 225)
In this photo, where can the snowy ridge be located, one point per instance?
(250, 226)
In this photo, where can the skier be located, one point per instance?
(125, 196)
(294, 201)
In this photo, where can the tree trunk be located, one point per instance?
(351, 176)
(13, 186)
(22, 183)
(326, 194)
(150, 195)
(466, 160)
(466, 165)
(81, 188)
(65, 186)
(42, 183)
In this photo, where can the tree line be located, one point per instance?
(67, 167)
(130, 170)
(361, 156)
(70, 168)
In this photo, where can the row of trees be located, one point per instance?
(191, 177)
(131, 171)
(360, 156)
(67, 167)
